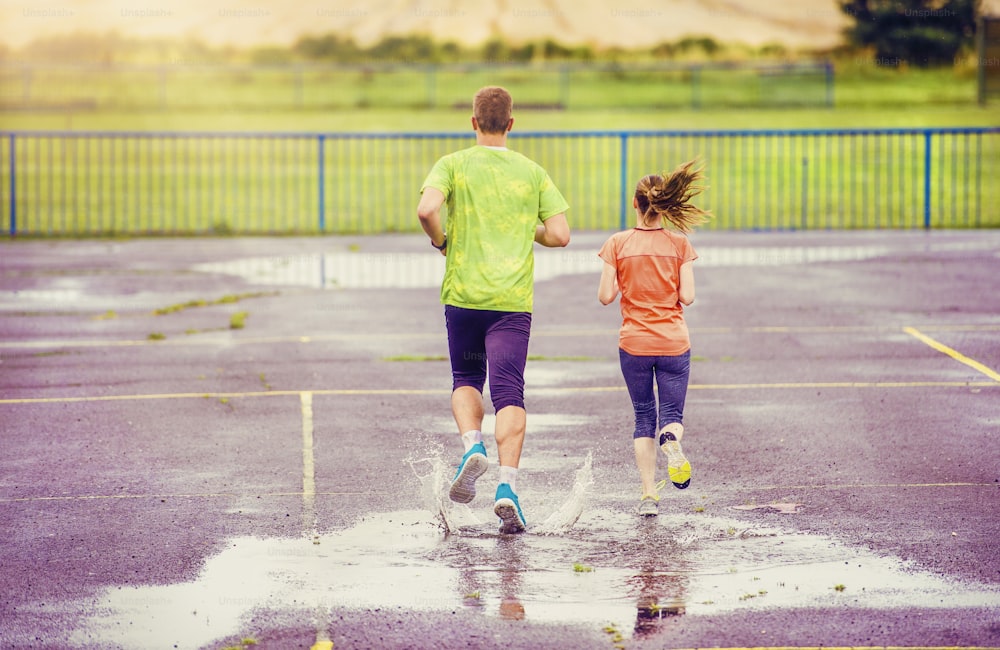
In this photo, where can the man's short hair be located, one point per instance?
(492, 108)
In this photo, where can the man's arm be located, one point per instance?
(429, 213)
(554, 231)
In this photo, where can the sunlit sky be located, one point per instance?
(280, 22)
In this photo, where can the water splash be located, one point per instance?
(434, 476)
(569, 512)
(434, 484)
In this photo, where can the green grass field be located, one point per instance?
(864, 96)
(456, 120)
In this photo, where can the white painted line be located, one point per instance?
(308, 468)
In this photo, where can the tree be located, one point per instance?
(919, 32)
(328, 47)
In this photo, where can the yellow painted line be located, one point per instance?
(414, 336)
(960, 328)
(855, 647)
(201, 495)
(954, 354)
(849, 384)
(793, 385)
(867, 486)
(269, 393)
(536, 391)
(260, 340)
(297, 495)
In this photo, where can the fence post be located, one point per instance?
(696, 88)
(299, 83)
(13, 187)
(321, 142)
(431, 85)
(26, 77)
(981, 60)
(623, 215)
(927, 179)
(805, 192)
(564, 86)
(829, 84)
(161, 74)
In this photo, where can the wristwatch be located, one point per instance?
(443, 245)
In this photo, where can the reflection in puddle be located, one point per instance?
(413, 270)
(579, 563)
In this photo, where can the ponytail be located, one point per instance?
(669, 197)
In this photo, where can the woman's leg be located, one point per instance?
(638, 375)
(645, 461)
(672, 374)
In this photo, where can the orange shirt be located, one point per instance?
(648, 263)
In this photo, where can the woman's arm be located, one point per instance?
(607, 291)
(685, 289)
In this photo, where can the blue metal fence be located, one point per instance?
(88, 183)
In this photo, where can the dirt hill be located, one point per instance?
(625, 23)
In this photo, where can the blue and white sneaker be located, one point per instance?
(509, 511)
(474, 465)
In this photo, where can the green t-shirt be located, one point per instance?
(495, 200)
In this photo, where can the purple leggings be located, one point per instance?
(671, 375)
(482, 341)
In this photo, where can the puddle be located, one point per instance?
(581, 562)
(422, 270)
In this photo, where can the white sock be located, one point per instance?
(471, 438)
(508, 475)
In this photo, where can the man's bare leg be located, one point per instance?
(467, 407)
(510, 438)
(511, 423)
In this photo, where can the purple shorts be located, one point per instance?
(495, 342)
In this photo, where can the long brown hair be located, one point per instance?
(668, 196)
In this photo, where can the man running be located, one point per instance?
(499, 202)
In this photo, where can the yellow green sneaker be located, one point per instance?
(678, 467)
(649, 504)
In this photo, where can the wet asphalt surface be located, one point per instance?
(216, 485)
